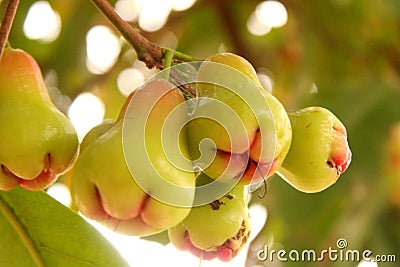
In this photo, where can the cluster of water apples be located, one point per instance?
(252, 136)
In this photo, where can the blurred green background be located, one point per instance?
(340, 54)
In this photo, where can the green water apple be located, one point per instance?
(319, 152)
(103, 186)
(37, 142)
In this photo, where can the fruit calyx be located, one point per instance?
(46, 177)
(113, 220)
(340, 157)
(224, 252)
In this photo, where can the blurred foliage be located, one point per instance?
(349, 49)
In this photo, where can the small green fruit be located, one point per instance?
(216, 230)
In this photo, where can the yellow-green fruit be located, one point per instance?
(319, 152)
(216, 230)
(249, 127)
(102, 185)
(37, 142)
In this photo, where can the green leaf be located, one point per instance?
(36, 230)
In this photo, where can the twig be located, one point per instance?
(178, 55)
(148, 52)
(168, 55)
(7, 23)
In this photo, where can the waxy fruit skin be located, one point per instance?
(37, 142)
(102, 185)
(319, 152)
(258, 143)
(215, 230)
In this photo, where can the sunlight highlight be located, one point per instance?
(266, 81)
(103, 48)
(60, 192)
(313, 89)
(169, 255)
(258, 215)
(128, 9)
(42, 23)
(367, 264)
(85, 112)
(268, 14)
(272, 13)
(154, 14)
(151, 15)
(257, 27)
(129, 79)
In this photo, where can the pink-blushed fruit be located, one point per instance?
(215, 230)
(248, 126)
(37, 142)
(319, 152)
(103, 186)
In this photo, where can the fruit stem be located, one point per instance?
(168, 56)
(7, 22)
(178, 55)
(201, 258)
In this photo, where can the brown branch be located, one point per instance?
(7, 22)
(148, 52)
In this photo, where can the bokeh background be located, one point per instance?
(340, 54)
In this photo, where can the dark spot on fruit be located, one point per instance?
(229, 197)
(330, 163)
(3, 169)
(308, 125)
(47, 162)
(215, 204)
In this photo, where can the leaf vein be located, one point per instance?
(20, 230)
(55, 251)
